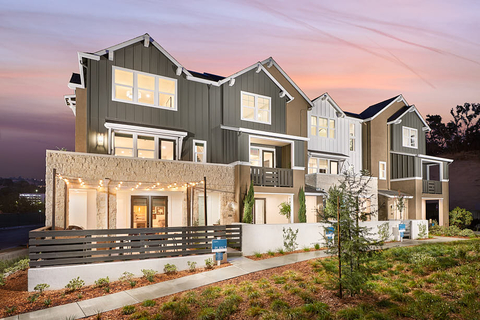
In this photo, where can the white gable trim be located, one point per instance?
(332, 102)
(265, 133)
(398, 99)
(260, 67)
(80, 56)
(271, 62)
(411, 109)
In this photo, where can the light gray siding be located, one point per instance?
(339, 144)
(410, 120)
(299, 154)
(258, 83)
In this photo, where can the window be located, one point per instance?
(256, 108)
(410, 137)
(382, 170)
(127, 144)
(352, 136)
(199, 151)
(324, 126)
(262, 157)
(144, 88)
(318, 165)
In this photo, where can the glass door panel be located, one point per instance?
(259, 212)
(268, 159)
(139, 212)
(159, 212)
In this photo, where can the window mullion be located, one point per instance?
(255, 109)
(156, 98)
(135, 87)
(135, 151)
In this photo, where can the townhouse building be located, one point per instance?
(159, 145)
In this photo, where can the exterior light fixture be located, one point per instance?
(100, 139)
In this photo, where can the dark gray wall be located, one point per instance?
(402, 166)
(411, 120)
(258, 83)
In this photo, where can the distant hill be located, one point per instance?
(465, 182)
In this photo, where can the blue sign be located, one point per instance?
(329, 231)
(219, 245)
(401, 227)
(218, 256)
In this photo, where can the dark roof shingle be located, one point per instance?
(376, 108)
(206, 76)
(75, 78)
(397, 114)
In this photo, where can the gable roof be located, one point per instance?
(206, 75)
(374, 110)
(332, 102)
(397, 116)
(271, 62)
(353, 115)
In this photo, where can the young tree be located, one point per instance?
(352, 243)
(248, 204)
(460, 217)
(302, 211)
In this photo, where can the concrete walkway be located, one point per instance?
(240, 266)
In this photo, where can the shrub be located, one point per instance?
(169, 269)
(133, 283)
(22, 264)
(467, 233)
(47, 302)
(2, 279)
(384, 231)
(255, 311)
(41, 287)
(106, 289)
(102, 282)
(281, 251)
(10, 310)
(257, 254)
(271, 253)
(422, 231)
(148, 303)
(209, 263)
(278, 305)
(460, 217)
(290, 239)
(306, 249)
(285, 209)
(211, 293)
(128, 310)
(32, 298)
(75, 284)
(126, 277)
(149, 274)
(228, 307)
(207, 314)
(143, 315)
(248, 204)
(302, 211)
(317, 246)
(178, 308)
(192, 265)
(452, 231)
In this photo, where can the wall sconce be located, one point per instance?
(100, 139)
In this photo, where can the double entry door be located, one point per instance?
(149, 212)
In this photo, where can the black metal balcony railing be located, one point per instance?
(271, 177)
(432, 187)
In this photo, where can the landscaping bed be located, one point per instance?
(280, 252)
(14, 297)
(430, 281)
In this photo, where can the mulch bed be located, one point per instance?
(14, 293)
(304, 268)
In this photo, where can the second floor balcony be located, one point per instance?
(432, 186)
(271, 177)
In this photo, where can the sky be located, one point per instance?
(361, 52)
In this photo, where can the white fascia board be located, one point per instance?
(398, 99)
(332, 102)
(70, 103)
(147, 130)
(265, 133)
(326, 155)
(80, 56)
(411, 109)
(394, 197)
(196, 79)
(270, 61)
(262, 68)
(424, 156)
(406, 179)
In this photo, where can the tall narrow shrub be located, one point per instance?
(302, 211)
(248, 205)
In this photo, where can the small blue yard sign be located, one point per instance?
(329, 231)
(401, 229)
(219, 246)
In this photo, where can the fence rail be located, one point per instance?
(67, 247)
(234, 236)
(271, 177)
(432, 187)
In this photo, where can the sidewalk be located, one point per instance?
(240, 266)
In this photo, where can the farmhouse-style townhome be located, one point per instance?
(152, 138)
(393, 150)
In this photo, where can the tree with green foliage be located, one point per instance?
(302, 211)
(353, 243)
(248, 204)
(460, 217)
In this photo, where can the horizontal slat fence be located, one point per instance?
(67, 247)
(234, 236)
(271, 177)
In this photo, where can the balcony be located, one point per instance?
(432, 187)
(271, 177)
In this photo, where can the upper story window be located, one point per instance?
(323, 127)
(318, 165)
(199, 151)
(262, 157)
(382, 170)
(142, 146)
(256, 108)
(352, 136)
(144, 89)
(410, 137)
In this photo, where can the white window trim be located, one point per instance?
(327, 127)
(204, 151)
(380, 170)
(255, 114)
(261, 149)
(403, 137)
(135, 89)
(135, 135)
(314, 125)
(328, 165)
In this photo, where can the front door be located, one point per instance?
(149, 211)
(259, 211)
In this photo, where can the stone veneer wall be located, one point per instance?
(220, 178)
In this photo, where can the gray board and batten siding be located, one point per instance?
(201, 108)
(410, 120)
(404, 166)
